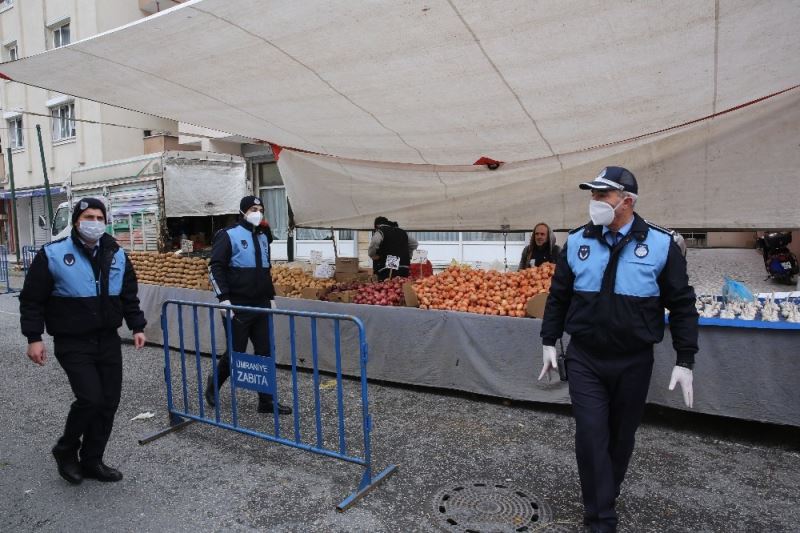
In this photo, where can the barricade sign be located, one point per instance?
(5, 279)
(253, 372)
(189, 389)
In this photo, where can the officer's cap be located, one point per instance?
(88, 203)
(248, 202)
(613, 179)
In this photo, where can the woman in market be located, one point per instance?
(387, 240)
(541, 249)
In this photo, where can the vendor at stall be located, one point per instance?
(541, 249)
(387, 240)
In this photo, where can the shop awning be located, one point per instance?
(553, 89)
(32, 193)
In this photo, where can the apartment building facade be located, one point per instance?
(75, 132)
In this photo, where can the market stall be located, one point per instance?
(744, 371)
(389, 119)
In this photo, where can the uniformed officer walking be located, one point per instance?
(80, 288)
(240, 273)
(612, 282)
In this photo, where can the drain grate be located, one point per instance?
(484, 507)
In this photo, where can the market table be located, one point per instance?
(745, 373)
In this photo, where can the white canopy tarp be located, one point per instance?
(740, 170)
(443, 82)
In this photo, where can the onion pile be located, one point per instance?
(389, 292)
(487, 292)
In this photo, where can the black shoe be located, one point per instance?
(100, 472)
(210, 391)
(68, 466)
(267, 408)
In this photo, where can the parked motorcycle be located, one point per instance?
(780, 262)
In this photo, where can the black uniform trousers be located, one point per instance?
(93, 364)
(252, 327)
(608, 396)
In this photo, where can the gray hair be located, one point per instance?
(626, 194)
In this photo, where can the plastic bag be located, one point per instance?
(734, 290)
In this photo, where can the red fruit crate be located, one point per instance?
(421, 270)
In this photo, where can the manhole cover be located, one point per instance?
(486, 507)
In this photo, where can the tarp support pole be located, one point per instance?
(290, 237)
(13, 204)
(46, 180)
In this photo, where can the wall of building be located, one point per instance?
(210, 140)
(118, 142)
(114, 13)
(164, 143)
(731, 239)
(29, 23)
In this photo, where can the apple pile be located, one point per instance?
(389, 292)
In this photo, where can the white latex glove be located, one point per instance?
(548, 361)
(222, 311)
(683, 376)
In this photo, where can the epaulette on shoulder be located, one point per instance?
(662, 229)
(579, 228)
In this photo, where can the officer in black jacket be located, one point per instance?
(612, 282)
(240, 273)
(80, 288)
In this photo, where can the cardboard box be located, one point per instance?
(281, 290)
(348, 296)
(346, 265)
(535, 306)
(347, 277)
(310, 293)
(410, 295)
(344, 297)
(334, 297)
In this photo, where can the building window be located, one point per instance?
(61, 35)
(63, 122)
(11, 52)
(16, 138)
(695, 239)
(467, 236)
(444, 236)
(493, 236)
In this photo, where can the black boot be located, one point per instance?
(266, 406)
(100, 471)
(210, 391)
(68, 466)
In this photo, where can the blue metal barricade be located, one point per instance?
(258, 373)
(28, 253)
(4, 274)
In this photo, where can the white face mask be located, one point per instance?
(601, 213)
(254, 217)
(91, 230)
